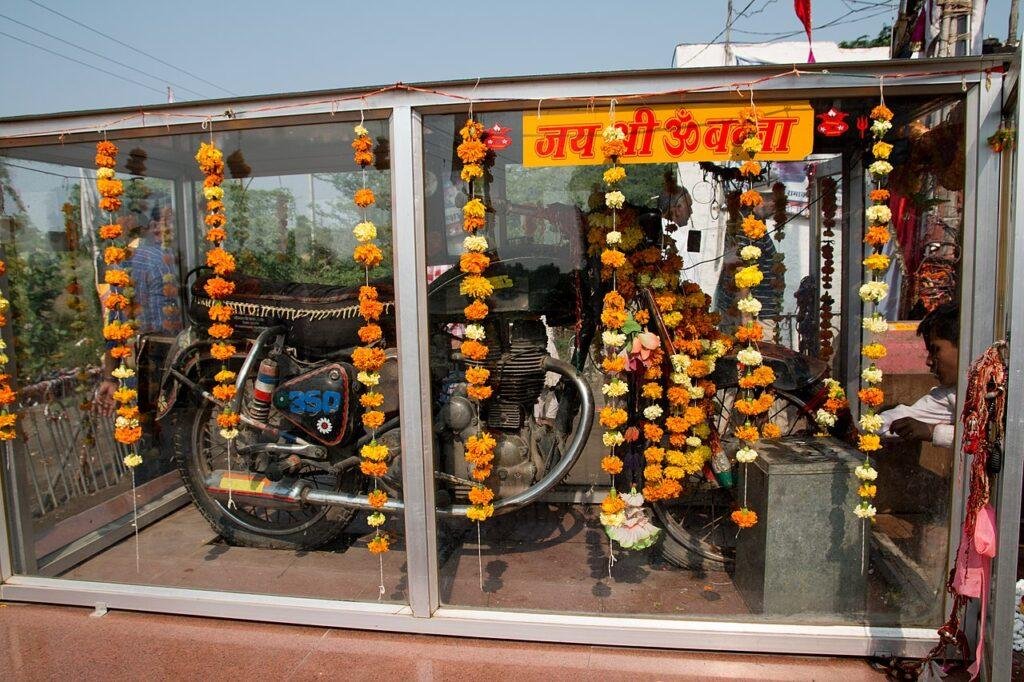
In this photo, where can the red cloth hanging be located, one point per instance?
(803, 13)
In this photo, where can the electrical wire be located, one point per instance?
(132, 47)
(102, 56)
(838, 21)
(7, 164)
(78, 61)
(775, 229)
(835, 22)
(720, 34)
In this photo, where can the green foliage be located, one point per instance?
(573, 184)
(883, 39)
(271, 239)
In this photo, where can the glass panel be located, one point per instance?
(245, 518)
(809, 559)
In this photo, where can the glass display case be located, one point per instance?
(278, 522)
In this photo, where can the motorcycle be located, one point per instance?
(291, 479)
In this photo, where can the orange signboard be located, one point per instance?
(666, 133)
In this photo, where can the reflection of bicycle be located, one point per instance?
(699, 532)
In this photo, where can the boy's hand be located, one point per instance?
(104, 403)
(911, 429)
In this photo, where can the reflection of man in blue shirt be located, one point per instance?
(155, 277)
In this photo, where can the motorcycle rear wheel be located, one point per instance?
(246, 525)
(698, 531)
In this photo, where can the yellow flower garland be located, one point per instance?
(473, 263)
(613, 316)
(119, 327)
(7, 395)
(873, 292)
(755, 379)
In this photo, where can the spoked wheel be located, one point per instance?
(243, 523)
(698, 531)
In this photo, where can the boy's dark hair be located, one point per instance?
(942, 323)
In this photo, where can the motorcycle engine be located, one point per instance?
(517, 376)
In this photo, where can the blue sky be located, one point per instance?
(258, 46)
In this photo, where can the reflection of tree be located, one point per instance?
(273, 240)
(55, 327)
(573, 184)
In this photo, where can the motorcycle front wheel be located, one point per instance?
(202, 450)
(699, 533)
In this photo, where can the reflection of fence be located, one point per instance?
(71, 453)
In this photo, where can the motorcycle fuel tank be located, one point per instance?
(317, 402)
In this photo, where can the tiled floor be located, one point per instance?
(545, 557)
(61, 643)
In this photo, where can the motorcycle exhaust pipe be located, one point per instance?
(256, 489)
(260, 490)
(286, 493)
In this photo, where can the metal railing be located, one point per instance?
(70, 452)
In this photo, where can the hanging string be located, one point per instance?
(479, 556)
(472, 93)
(135, 522)
(380, 588)
(864, 547)
(334, 101)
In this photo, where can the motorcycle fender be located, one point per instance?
(186, 361)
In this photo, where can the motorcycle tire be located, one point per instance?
(310, 527)
(686, 548)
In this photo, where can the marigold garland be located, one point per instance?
(211, 163)
(473, 263)
(872, 293)
(369, 358)
(7, 395)
(754, 396)
(835, 402)
(613, 317)
(118, 328)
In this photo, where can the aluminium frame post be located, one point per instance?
(1007, 488)
(977, 286)
(853, 252)
(414, 378)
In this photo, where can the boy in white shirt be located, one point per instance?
(931, 417)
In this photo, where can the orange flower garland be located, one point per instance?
(370, 358)
(220, 286)
(613, 317)
(7, 395)
(754, 397)
(473, 263)
(873, 292)
(118, 331)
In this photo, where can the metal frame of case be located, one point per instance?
(985, 238)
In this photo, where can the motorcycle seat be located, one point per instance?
(319, 318)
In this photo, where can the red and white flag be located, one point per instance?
(803, 13)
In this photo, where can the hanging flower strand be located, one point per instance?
(7, 395)
(119, 328)
(613, 318)
(828, 221)
(872, 292)
(369, 358)
(754, 396)
(475, 286)
(220, 286)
